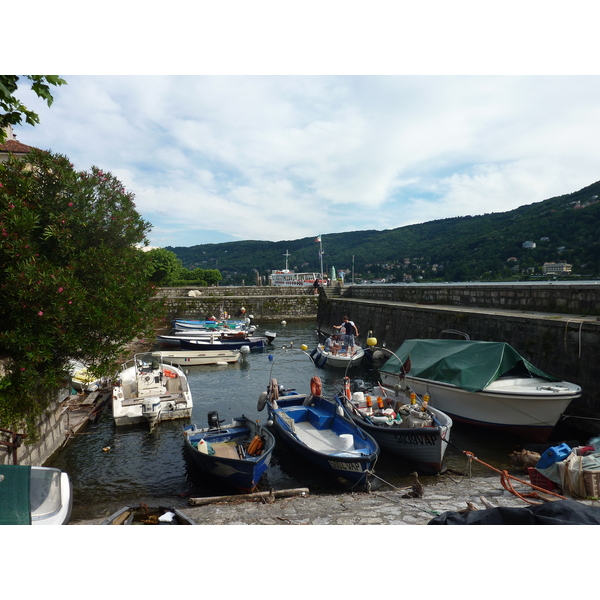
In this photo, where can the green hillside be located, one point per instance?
(485, 247)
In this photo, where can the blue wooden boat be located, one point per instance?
(314, 427)
(238, 453)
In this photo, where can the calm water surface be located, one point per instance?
(153, 467)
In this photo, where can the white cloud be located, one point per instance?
(271, 157)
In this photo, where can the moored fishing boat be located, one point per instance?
(191, 358)
(401, 423)
(237, 454)
(487, 384)
(344, 358)
(34, 496)
(148, 515)
(316, 429)
(252, 342)
(149, 391)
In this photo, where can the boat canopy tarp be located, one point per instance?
(14, 495)
(467, 364)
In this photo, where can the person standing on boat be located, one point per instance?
(348, 331)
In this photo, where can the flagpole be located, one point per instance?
(321, 253)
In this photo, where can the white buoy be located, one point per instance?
(283, 323)
(245, 349)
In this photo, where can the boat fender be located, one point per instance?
(262, 401)
(169, 374)
(316, 387)
(347, 388)
(313, 354)
(273, 389)
(255, 447)
(321, 361)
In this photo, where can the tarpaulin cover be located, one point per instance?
(14, 495)
(560, 512)
(470, 365)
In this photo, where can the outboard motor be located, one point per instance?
(358, 385)
(213, 420)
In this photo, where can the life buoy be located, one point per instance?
(316, 388)
(170, 374)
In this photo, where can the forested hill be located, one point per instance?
(563, 229)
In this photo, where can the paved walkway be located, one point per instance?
(386, 506)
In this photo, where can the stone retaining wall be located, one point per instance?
(53, 427)
(263, 303)
(568, 298)
(564, 347)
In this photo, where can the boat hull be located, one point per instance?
(253, 343)
(148, 515)
(34, 496)
(517, 405)
(226, 465)
(190, 358)
(423, 447)
(324, 438)
(342, 360)
(149, 391)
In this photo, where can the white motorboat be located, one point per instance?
(344, 358)
(191, 358)
(482, 383)
(34, 496)
(148, 390)
(82, 380)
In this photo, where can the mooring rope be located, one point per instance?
(505, 478)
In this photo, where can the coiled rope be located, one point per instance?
(505, 480)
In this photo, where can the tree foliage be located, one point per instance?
(13, 109)
(73, 285)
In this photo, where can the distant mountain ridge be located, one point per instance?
(562, 229)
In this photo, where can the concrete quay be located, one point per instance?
(385, 506)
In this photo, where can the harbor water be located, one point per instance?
(111, 466)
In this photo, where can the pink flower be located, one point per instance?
(60, 290)
(40, 313)
(70, 204)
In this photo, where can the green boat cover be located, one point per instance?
(14, 495)
(467, 364)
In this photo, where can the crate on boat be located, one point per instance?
(591, 480)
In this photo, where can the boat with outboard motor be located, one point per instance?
(237, 454)
(252, 343)
(317, 430)
(147, 390)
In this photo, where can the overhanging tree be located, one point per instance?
(73, 285)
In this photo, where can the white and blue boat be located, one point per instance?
(252, 342)
(238, 453)
(316, 429)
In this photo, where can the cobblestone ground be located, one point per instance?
(382, 507)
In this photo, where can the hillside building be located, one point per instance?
(556, 268)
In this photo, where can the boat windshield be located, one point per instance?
(44, 492)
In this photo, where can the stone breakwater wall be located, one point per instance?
(266, 303)
(567, 298)
(567, 347)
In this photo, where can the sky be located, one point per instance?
(385, 128)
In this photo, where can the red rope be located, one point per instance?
(505, 478)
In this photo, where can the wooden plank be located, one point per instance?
(250, 497)
(91, 398)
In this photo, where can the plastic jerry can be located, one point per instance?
(553, 455)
